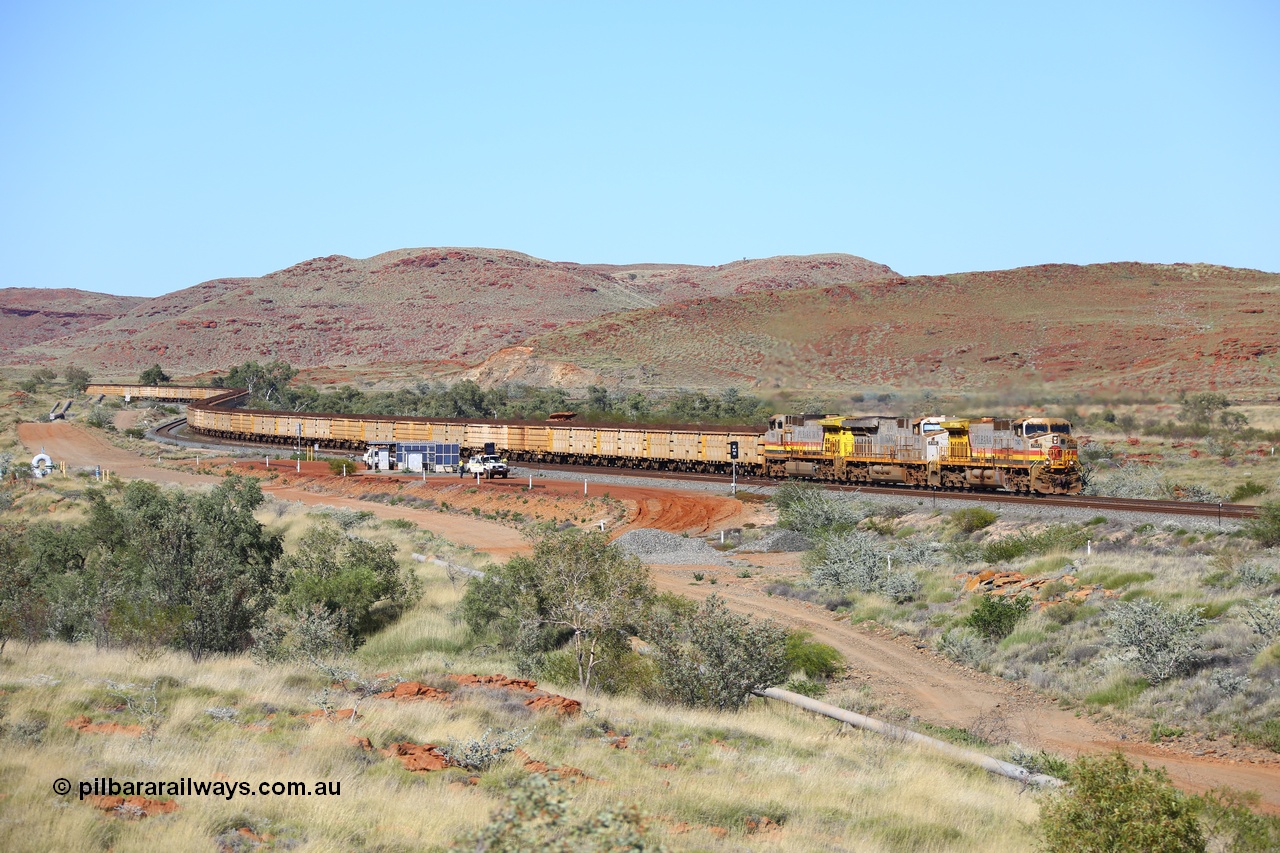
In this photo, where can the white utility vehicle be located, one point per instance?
(486, 464)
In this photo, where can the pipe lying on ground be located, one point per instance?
(986, 762)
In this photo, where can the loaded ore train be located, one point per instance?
(1031, 455)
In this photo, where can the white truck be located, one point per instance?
(487, 465)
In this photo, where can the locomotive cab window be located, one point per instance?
(1033, 430)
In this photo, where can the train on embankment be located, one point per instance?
(1036, 455)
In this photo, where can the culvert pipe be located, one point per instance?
(968, 756)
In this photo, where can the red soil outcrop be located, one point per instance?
(414, 690)
(83, 723)
(131, 807)
(418, 758)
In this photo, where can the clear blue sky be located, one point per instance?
(148, 147)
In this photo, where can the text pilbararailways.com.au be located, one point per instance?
(188, 787)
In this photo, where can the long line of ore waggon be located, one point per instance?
(1032, 454)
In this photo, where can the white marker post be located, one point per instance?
(531, 482)
(584, 488)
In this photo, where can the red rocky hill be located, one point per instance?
(1120, 326)
(31, 315)
(437, 309)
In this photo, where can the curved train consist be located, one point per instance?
(1032, 455)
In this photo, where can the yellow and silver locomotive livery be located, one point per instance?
(1037, 455)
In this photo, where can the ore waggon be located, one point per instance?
(1035, 455)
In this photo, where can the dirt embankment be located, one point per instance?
(903, 675)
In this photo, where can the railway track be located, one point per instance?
(1224, 511)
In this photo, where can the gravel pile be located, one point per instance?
(776, 540)
(663, 548)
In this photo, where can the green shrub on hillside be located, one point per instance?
(973, 519)
(864, 562)
(1055, 537)
(342, 466)
(1231, 821)
(1163, 643)
(1246, 490)
(539, 815)
(715, 658)
(808, 510)
(995, 616)
(1115, 807)
(574, 590)
(1265, 528)
(814, 659)
(347, 575)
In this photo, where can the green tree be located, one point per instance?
(267, 383)
(77, 379)
(598, 399)
(353, 578)
(1265, 527)
(1199, 409)
(574, 589)
(1113, 807)
(202, 559)
(1233, 423)
(716, 658)
(153, 375)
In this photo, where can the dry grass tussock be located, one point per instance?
(698, 775)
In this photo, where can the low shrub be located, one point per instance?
(1265, 734)
(1055, 537)
(962, 645)
(539, 815)
(973, 519)
(485, 751)
(1265, 528)
(806, 687)
(1232, 822)
(1041, 762)
(714, 658)
(1162, 642)
(1118, 693)
(861, 561)
(342, 466)
(995, 616)
(1263, 616)
(816, 660)
(1111, 805)
(1246, 490)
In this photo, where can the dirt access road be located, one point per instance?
(897, 672)
(932, 688)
